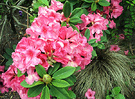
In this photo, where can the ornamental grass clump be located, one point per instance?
(106, 71)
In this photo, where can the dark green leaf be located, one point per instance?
(60, 83)
(94, 53)
(93, 6)
(73, 78)
(76, 12)
(101, 46)
(92, 41)
(87, 34)
(78, 68)
(89, 1)
(85, 11)
(45, 2)
(9, 51)
(45, 93)
(85, 5)
(34, 91)
(74, 27)
(103, 3)
(14, 47)
(107, 31)
(108, 97)
(53, 69)
(9, 62)
(19, 73)
(75, 20)
(116, 90)
(63, 24)
(67, 9)
(40, 70)
(119, 96)
(69, 81)
(37, 5)
(26, 85)
(5, 55)
(64, 72)
(59, 92)
(72, 94)
(94, 44)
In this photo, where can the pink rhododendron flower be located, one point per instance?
(56, 5)
(95, 23)
(3, 88)
(114, 48)
(2, 68)
(126, 52)
(114, 10)
(121, 36)
(112, 24)
(90, 94)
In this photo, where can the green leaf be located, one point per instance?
(107, 31)
(116, 90)
(9, 62)
(34, 91)
(72, 94)
(92, 41)
(53, 69)
(26, 85)
(119, 96)
(67, 9)
(45, 2)
(85, 5)
(75, 20)
(19, 73)
(74, 27)
(69, 81)
(103, 3)
(89, 1)
(94, 53)
(77, 12)
(94, 44)
(36, 5)
(87, 34)
(5, 55)
(64, 72)
(60, 83)
(73, 78)
(40, 70)
(45, 93)
(93, 6)
(85, 11)
(9, 51)
(101, 46)
(78, 68)
(14, 47)
(0, 16)
(63, 24)
(108, 97)
(59, 92)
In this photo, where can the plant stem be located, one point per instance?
(1, 33)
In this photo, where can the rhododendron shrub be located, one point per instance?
(58, 44)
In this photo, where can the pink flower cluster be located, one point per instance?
(113, 11)
(3, 88)
(95, 23)
(11, 80)
(48, 43)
